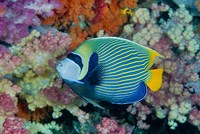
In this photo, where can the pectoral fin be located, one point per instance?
(93, 62)
(94, 77)
(94, 70)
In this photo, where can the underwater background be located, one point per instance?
(36, 34)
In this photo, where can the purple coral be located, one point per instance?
(14, 125)
(3, 50)
(21, 14)
(44, 7)
(16, 20)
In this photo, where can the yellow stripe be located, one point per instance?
(123, 65)
(113, 56)
(114, 53)
(106, 49)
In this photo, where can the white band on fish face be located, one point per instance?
(68, 69)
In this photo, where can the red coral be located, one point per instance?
(110, 126)
(7, 105)
(56, 95)
(100, 7)
(14, 125)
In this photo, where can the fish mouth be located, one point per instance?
(58, 66)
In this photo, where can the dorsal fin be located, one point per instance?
(152, 54)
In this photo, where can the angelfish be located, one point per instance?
(111, 69)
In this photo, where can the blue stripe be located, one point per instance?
(125, 64)
(123, 72)
(116, 92)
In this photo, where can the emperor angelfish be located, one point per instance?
(111, 69)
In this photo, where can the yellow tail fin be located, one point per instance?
(155, 81)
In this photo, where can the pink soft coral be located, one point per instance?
(7, 105)
(8, 62)
(56, 95)
(110, 126)
(14, 125)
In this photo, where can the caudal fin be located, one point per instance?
(155, 81)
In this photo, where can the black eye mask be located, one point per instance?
(76, 58)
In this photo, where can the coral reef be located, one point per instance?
(86, 18)
(177, 41)
(35, 34)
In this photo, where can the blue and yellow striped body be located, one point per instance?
(123, 69)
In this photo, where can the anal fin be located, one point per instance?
(95, 104)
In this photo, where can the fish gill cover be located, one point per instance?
(36, 34)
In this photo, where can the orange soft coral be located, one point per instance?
(78, 36)
(129, 3)
(112, 18)
(70, 12)
(25, 113)
(96, 14)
